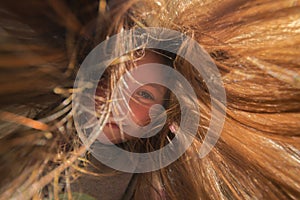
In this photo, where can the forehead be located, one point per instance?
(150, 57)
(148, 68)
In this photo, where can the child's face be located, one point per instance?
(140, 102)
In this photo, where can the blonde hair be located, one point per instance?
(255, 45)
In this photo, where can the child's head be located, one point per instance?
(140, 86)
(255, 45)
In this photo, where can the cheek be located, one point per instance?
(140, 113)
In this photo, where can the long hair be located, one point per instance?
(254, 44)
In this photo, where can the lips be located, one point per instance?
(112, 125)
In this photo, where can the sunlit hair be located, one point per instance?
(255, 45)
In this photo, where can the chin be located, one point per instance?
(111, 139)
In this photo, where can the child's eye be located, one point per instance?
(145, 95)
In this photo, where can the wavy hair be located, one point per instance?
(255, 45)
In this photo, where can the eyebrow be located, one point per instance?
(157, 86)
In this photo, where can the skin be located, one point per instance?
(140, 102)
